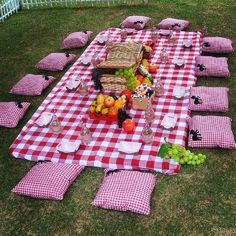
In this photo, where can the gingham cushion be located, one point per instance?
(11, 113)
(171, 23)
(212, 66)
(124, 190)
(48, 180)
(55, 61)
(32, 85)
(76, 40)
(135, 22)
(209, 99)
(217, 45)
(210, 132)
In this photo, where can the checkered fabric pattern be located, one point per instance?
(76, 40)
(126, 191)
(217, 45)
(55, 61)
(35, 143)
(48, 180)
(209, 99)
(32, 85)
(11, 113)
(212, 66)
(171, 23)
(210, 132)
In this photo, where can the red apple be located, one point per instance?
(152, 68)
(127, 94)
(109, 101)
(128, 125)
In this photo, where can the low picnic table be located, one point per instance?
(39, 144)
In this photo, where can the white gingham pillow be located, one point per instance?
(210, 132)
(32, 85)
(48, 180)
(76, 40)
(212, 66)
(209, 99)
(55, 61)
(124, 190)
(171, 23)
(135, 22)
(12, 112)
(217, 45)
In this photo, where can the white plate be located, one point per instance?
(44, 119)
(102, 39)
(73, 84)
(67, 146)
(179, 92)
(178, 61)
(129, 147)
(169, 121)
(187, 43)
(164, 32)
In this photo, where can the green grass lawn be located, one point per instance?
(198, 201)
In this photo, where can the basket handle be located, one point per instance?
(127, 48)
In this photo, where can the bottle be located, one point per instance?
(149, 114)
(95, 59)
(83, 89)
(154, 35)
(85, 134)
(147, 134)
(164, 56)
(55, 125)
(159, 88)
(123, 33)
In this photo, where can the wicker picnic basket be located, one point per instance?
(120, 56)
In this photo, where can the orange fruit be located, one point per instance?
(137, 83)
(118, 103)
(140, 78)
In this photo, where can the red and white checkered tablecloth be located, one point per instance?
(35, 143)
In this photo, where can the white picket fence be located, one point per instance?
(50, 3)
(7, 8)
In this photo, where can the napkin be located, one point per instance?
(67, 146)
(73, 84)
(129, 147)
(44, 119)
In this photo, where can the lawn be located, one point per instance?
(200, 200)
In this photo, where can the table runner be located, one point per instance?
(35, 143)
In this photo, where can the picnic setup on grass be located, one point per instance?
(124, 106)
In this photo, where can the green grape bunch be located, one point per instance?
(129, 76)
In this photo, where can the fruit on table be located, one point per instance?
(105, 111)
(152, 68)
(127, 93)
(109, 101)
(113, 111)
(99, 108)
(148, 82)
(128, 125)
(118, 103)
(145, 63)
(100, 98)
(92, 109)
(163, 151)
(140, 78)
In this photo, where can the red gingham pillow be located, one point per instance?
(209, 99)
(12, 112)
(55, 61)
(212, 66)
(48, 180)
(171, 23)
(135, 22)
(217, 45)
(124, 190)
(76, 40)
(32, 84)
(211, 131)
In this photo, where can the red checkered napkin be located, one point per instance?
(48, 180)
(210, 131)
(212, 66)
(124, 190)
(76, 40)
(11, 113)
(32, 85)
(135, 22)
(217, 45)
(171, 23)
(209, 99)
(55, 61)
